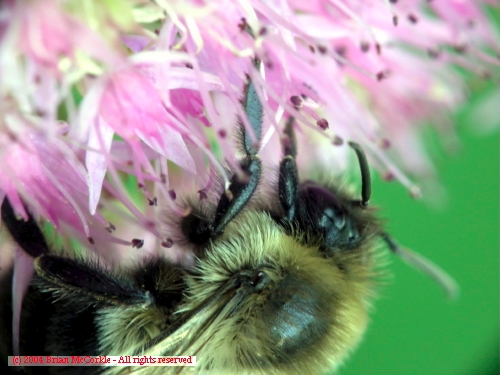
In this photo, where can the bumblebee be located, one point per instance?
(282, 284)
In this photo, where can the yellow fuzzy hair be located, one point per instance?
(233, 335)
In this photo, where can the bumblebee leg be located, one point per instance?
(253, 109)
(87, 282)
(419, 262)
(288, 185)
(366, 187)
(26, 233)
(232, 201)
(241, 190)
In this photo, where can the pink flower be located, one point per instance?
(46, 173)
(145, 107)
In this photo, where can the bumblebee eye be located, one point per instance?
(260, 280)
(337, 219)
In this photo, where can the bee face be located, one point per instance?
(288, 304)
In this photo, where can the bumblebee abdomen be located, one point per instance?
(56, 327)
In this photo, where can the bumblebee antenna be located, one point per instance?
(447, 283)
(366, 185)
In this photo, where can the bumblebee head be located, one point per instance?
(276, 301)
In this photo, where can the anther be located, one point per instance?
(137, 243)
(168, 243)
(322, 123)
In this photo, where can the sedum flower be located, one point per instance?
(110, 109)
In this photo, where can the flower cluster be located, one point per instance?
(108, 108)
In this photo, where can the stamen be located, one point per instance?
(172, 194)
(296, 101)
(337, 141)
(322, 123)
(167, 243)
(137, 243)
(71, 201)
(412, 18)
(202, 194)
(111, 228)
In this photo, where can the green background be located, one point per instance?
(415, 329)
